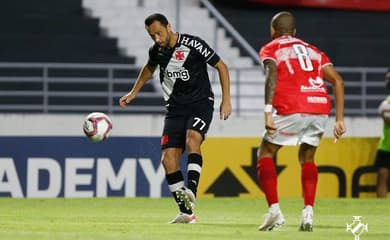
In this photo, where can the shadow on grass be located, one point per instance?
(329, 227)
(235, 225)
(256, 225)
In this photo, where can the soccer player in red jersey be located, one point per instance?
(297, 106)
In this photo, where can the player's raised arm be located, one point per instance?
(332, 76)
(226, 106)
(145, 74)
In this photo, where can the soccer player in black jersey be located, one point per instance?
(184, 79)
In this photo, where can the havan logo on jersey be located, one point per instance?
(198, 46)
(316, 85)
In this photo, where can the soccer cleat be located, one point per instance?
(280, 221)
(184, 218)
(307, 219)
(187, 197)
(273, 220)
(191, 197)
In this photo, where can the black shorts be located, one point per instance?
(180, 118)
(382, 159)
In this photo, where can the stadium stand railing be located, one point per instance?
(72, 88)
(81, 88)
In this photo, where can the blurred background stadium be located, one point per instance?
(81, 55)
(61, 59)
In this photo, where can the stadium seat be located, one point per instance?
(54, 31)
(58, 40)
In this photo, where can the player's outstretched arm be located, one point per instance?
(332, 76)
(145, 74)
(226, 107)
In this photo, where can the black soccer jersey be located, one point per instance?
(183, 69)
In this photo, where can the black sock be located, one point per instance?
(175, 183)
(194, 167)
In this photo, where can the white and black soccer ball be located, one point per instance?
(97, 126)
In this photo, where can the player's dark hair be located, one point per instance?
(156, 17)
(283, 23)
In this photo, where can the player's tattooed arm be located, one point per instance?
(270, 84)
(270, 80)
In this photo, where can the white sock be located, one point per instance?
(309, 207)
(274, 207)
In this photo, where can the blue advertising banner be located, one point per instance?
(48, 167)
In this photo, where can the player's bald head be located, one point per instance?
(283, 23)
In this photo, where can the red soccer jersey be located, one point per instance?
(300, 87)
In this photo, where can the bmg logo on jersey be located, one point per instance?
(183, 74)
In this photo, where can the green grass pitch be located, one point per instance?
(218, 218)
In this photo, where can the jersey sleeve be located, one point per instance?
(325, 60)
(267, 52)
(152, 61)
(214, 59)
(207, 53)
